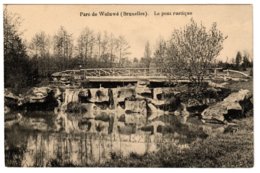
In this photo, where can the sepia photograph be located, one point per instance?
(151, 86)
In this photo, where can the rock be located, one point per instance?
(84, 95)
(37, 94)
(196, 106)
(120, 94)
(161, 93)
(11, 100)
(142, 90)
(99, 95)
(158, 93)
(231, 107)
(136, 106)
(57, 93)
(216, 85)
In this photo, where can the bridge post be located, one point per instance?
(215, 72)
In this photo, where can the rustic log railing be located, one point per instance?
(135, 73)
(113, 72)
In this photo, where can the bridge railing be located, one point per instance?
(103, 72)
(130, 72)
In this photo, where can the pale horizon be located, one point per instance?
(235, 21)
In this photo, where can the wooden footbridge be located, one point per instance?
(112, 74)
(129, 74)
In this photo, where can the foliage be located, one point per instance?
(13, 157)
(191, 50)
(238, 59)
(240, 62)
(19, 71)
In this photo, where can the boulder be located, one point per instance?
(231, 107)
(196, 106)
(84, 95)
(37, 94)
(136, 106)
(99, 95)
(120, 94)
(11, 100)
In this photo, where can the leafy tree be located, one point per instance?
(192, 50)
(247, 61)
(146, 60)
(238, 59)
(18, 70)
(160, 53)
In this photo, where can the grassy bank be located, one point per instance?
(225, 150)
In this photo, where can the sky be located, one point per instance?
(235, 21)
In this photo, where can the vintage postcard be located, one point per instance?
(128, 85)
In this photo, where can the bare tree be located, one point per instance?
(112, 48)
(123, 48)
(63, 46)
(146, 60)
(40, 44)
(99, 42)
(86, 43)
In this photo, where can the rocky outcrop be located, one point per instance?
(11, 100)
(233, 106)
(37, 98)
